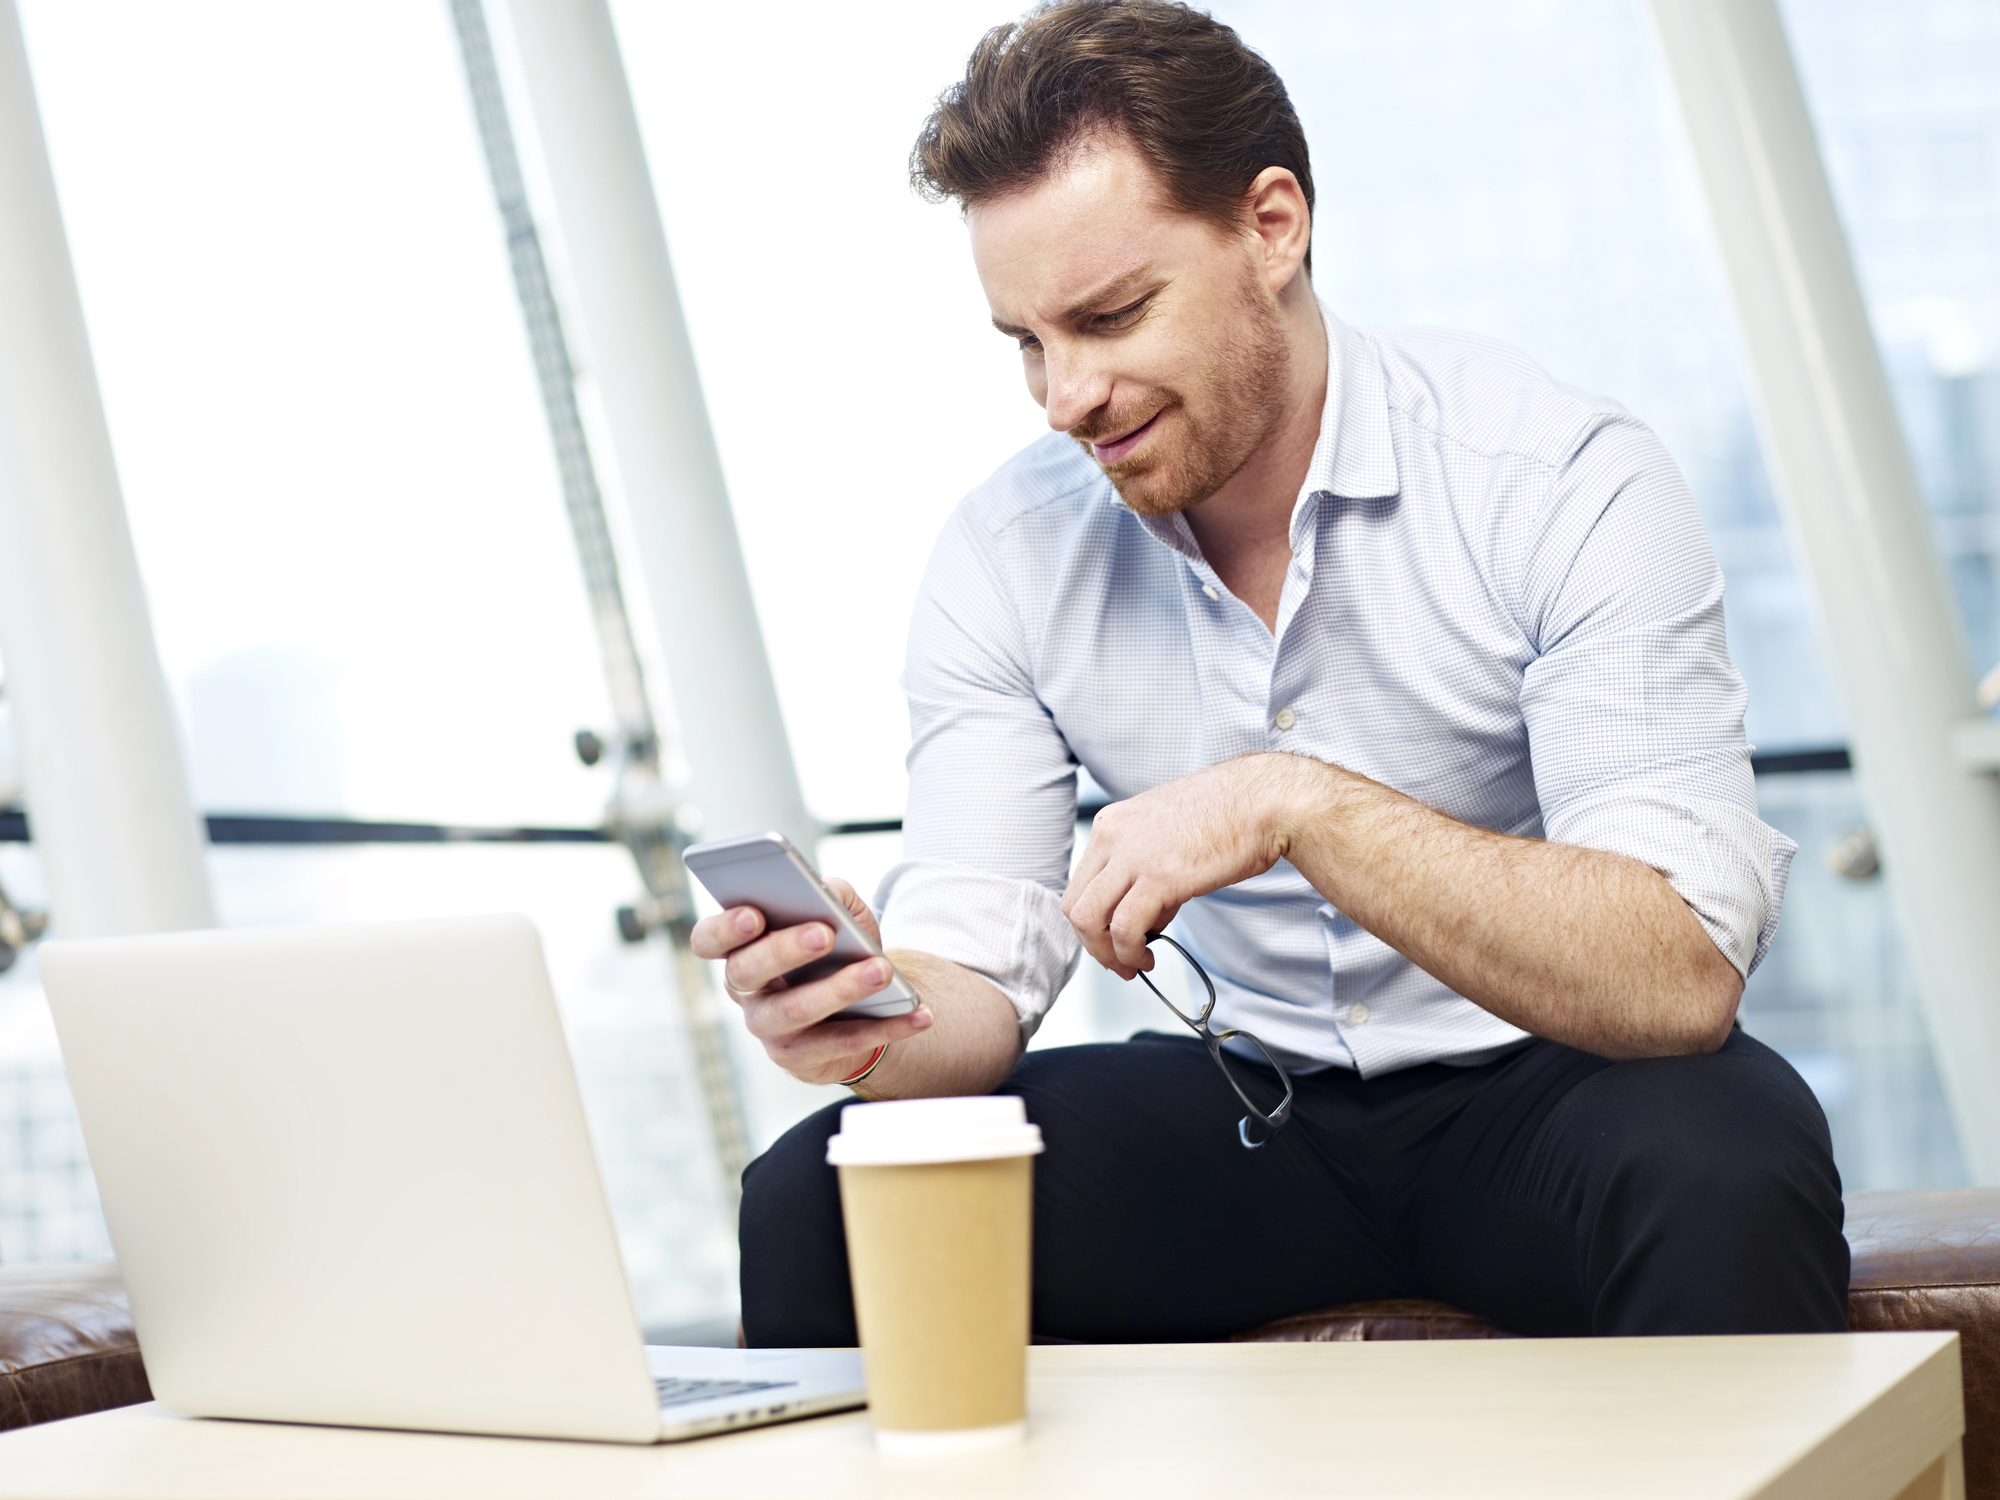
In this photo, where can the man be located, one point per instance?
(1405, 665)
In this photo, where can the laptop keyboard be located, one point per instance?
(676, 1391)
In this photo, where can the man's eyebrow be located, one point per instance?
(1111, 291)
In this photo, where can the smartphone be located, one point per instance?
(764, 870)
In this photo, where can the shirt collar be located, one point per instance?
(1354, 458)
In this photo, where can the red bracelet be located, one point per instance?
(870, 1068)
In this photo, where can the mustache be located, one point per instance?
(1097, 428)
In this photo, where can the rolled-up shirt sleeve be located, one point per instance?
(1633, 709)
(991, 815)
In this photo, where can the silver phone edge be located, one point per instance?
(897, 989)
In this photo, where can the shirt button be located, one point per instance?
(1209, 589)
(1357, 1014)
(1286, 718)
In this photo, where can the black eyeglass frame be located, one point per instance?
(1278, 1118)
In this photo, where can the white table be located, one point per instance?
(1870, 1416)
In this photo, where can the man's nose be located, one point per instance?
(1077, 387)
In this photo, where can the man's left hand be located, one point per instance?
(1150, 854)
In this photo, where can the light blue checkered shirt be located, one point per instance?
(1501, 602)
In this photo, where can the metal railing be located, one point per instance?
(285, 829)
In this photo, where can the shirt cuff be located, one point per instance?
(1729, 866)
(1007, 930)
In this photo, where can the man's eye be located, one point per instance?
(1123, 317)
(1030, 344)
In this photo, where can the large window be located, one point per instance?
(352, 534)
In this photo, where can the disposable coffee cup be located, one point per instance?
(937, 1195)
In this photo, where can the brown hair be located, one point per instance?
(1203, 108)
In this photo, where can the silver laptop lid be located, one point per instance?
(347, 1178)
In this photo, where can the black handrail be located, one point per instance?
(1791, 762)
(260, 828)
(248, 828)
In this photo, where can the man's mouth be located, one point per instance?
(1119, 448)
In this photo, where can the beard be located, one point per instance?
(1221, 421)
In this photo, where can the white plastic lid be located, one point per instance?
(916, 1132)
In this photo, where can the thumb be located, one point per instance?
(864, 918)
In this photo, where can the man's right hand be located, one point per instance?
(792, 1020)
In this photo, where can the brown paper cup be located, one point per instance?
(939, 1254)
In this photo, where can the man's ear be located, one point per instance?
(1274, 209)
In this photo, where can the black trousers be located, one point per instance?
(1551, 1191)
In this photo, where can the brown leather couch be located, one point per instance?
(66, 1344)
(1921, 1260)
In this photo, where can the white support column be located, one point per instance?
(1858, 526)
(636, 341)
(107, 790)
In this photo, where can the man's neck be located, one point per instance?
(1244, 528)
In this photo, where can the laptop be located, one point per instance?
(348, 1182)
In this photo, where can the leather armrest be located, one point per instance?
(66, 1343)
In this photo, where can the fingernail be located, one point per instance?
(746, 921)
(817, 938)
(876, 975)
(921, 1018)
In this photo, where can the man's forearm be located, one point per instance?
(1577, 945)
(970, 1050)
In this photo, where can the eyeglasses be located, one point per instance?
(1250, 1087)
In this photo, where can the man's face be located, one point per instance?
(1148, 334)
